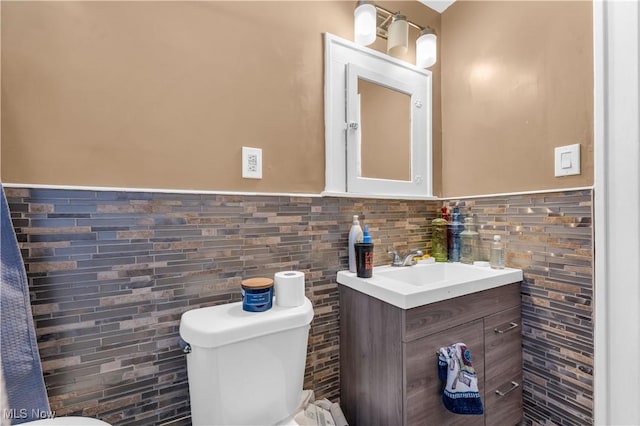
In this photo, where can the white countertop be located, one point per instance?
(410, 286)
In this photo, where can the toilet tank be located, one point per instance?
(245, 368)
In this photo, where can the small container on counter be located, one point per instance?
(355, 236)
(454, 228)
(364, 256)
(469, 242)
(257, 294)
(439, 238)
(496, 257)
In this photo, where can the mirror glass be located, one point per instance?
(386, 131)
(377, 124)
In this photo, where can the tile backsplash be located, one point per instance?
(549, 237)
(110, 273)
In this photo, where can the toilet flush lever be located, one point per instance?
(186, 348)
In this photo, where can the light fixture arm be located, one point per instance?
(385, 16)
(371, 21)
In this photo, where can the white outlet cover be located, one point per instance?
(251, 163)
(567, 160)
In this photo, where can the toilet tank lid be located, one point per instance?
(221, 325)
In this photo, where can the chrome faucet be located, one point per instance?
(407, 260)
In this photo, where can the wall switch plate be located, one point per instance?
(251, 163)
(567, 160)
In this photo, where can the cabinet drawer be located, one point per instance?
(423, 403)
(503, 367)
(435, 317)
(504, 408)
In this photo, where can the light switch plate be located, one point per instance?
(567, 160)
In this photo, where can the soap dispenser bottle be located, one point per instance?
(439, 238)
(454, 229)
(355, 236)
(469, 242)
(496, 256)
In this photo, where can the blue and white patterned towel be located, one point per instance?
(460, 395)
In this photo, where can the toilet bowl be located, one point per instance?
(68, 421)
(245, 368)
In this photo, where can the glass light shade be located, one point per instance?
(426, 53)
(364, 24)
(398, 36)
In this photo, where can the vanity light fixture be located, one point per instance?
(364, 23)
(398, 35)
(371, 21)
(426, 48)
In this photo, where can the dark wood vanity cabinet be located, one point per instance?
(388, 357)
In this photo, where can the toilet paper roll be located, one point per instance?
(289, 288)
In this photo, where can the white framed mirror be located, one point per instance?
(377, 124)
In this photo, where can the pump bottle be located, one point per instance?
(355, 236)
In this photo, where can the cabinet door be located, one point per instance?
(370, 360)
(423, 389)
(503, 368)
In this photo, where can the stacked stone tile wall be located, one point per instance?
(110, 274)
(549, 237)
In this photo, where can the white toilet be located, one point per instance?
(55, 421)
(245, 368)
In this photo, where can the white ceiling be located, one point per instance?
(437, 5)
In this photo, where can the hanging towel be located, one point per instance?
(21, 368)
(460, 395)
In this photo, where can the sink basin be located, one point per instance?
(412, 286)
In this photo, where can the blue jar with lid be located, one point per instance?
(257, 294)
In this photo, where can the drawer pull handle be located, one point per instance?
(512, 325)
(514, 386)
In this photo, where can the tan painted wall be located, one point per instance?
(517, 81)
(148, 94)
(165, 94)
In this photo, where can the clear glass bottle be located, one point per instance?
(469, 242)
(496, 256)
(439, 238)
(454, 229)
